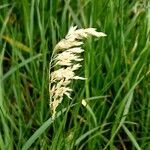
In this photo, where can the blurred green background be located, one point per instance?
(117, 69)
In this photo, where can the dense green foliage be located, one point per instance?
(116, 67)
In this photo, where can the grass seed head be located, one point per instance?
(67, 61)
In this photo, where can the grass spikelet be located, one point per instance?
(66, 60)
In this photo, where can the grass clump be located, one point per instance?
(115, 95)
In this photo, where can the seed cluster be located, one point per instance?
(67, 60)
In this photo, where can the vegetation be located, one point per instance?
(115, 112)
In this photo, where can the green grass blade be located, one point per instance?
(131, 137)
(39, 131)
(12, 70)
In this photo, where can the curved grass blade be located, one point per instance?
(41, 130)
(12, 70)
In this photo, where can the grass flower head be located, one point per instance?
(67, 60)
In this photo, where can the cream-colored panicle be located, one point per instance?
(66, 61)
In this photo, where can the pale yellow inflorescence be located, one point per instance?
(67, 59)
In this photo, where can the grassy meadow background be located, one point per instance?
(117, 68)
